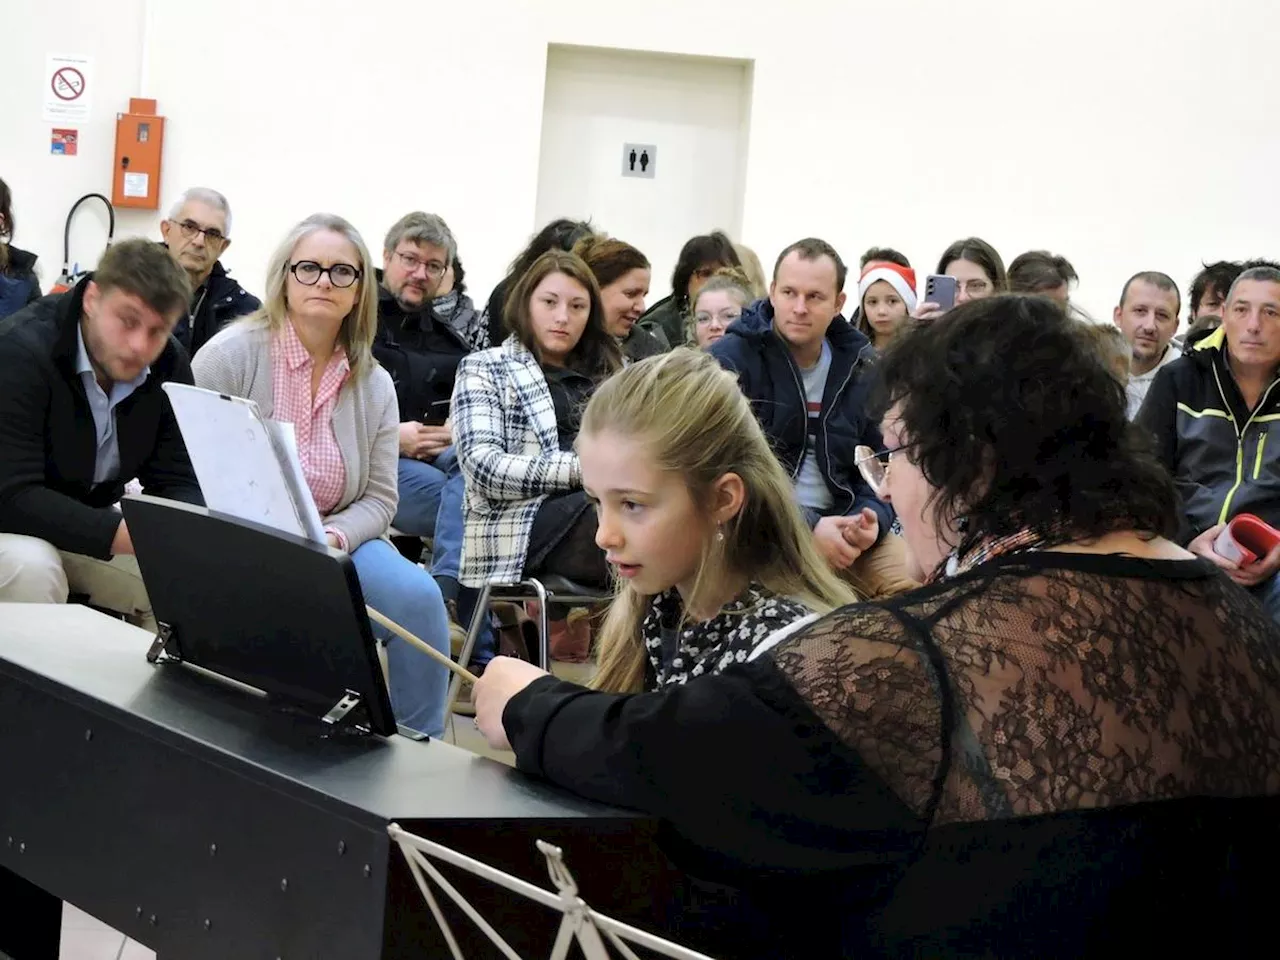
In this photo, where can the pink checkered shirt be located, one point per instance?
(312, 419)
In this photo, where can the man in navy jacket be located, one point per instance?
(805, 370)
(82, 413)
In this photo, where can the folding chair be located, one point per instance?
(546, 589)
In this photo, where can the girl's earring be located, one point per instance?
(720, 535)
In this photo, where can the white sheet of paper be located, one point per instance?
(135, 184)
(247, 466)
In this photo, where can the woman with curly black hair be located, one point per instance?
(1067, 740)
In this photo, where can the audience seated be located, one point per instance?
(753, 269)
(82, 413)
(307, 359)
(421, 352)
(516, 413)
(1212, 413)
(559, 234)
(1039, 754)
(886, 297)
(804, 368)
(19, 285)
(623, 274)
(1042, 273)
(697, 518)
(197, 233)
(717, 306)
(1209, 292)
(978, 270)
(1113, 349)
(452, 305)
(883, 254)
(700, 257)
(1148, 318)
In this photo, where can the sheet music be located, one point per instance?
(247, 466)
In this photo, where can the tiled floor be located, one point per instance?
(84, 938)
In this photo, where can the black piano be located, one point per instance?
(200, 820)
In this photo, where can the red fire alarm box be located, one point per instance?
(139, 141)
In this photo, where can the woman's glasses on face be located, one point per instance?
(723, 317)
(874, 465)
(308, 273)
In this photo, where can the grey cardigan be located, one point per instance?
(366, 422)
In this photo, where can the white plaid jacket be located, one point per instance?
(504, 428)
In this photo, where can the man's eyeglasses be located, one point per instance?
(874, 465)
(435, 269)
(189, 230)
(308, 273)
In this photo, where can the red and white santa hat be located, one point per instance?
(902, 279)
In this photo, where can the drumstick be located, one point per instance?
(422, 645)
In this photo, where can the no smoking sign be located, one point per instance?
(68, 87)
(68, 83)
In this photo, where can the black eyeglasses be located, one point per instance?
(190, 229)
(308, 273)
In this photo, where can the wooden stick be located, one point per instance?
(422, 645)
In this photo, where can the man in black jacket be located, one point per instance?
(1212, 413)
(196, 234)
(805, 369)
(422, 353)
(81, 414)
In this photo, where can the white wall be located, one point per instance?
(1127, 136)
(45, 185)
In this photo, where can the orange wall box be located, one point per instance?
(139, 144)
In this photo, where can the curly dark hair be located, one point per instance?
(1016, 423)
(1216, 277)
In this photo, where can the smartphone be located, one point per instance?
(941, 290)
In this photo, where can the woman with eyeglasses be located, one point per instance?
(699, 259)
(1068, 739)
(978, 271)
(306, 358)
(718, 304)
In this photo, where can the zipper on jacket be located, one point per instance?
(1240, 432)
(849, 376)
(804, 407)
(1257, 462)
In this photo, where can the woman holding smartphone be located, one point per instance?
(969, 269)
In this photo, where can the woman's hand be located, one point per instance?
(503, 678)
(928, 311)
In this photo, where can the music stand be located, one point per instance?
(265, 608)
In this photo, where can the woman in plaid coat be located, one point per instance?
(516, 410)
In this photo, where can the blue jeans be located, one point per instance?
(446, 561)
(405, 593)
(420, 487)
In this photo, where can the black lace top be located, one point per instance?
(679, 651)
(1002, 758)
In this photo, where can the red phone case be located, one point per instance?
(1254, 534)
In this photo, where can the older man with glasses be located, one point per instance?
(421, 352)
(197, 233)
